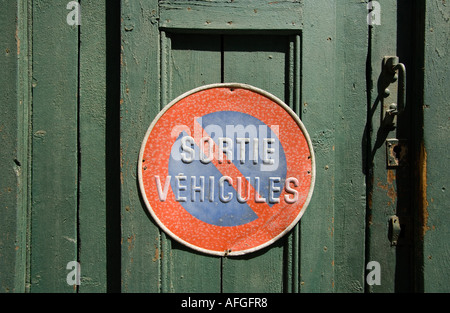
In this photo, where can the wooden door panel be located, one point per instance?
(195, 60)
(261, 61)
(55, 149)
(141, 257)
(78, 100)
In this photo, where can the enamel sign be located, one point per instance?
(226, 169)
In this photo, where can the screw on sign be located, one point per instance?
(226, 169)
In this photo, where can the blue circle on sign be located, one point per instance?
(197, 185)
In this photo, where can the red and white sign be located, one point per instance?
(226, 169)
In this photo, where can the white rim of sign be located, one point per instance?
(228, 85)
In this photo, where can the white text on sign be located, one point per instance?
(255, 147)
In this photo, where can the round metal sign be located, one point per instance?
(226, 169)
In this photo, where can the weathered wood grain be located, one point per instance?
(192, 61)
(434, 149)
(350, 117)
(70, 139)
(381, 183)
(260, 61)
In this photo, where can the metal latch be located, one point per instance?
(392, 88)
(396, 152)
(393, 76)
(394, 230)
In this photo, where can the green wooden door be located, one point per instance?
(324, 60)
(294, 50)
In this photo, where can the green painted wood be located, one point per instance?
(142, 256)
(14, 140)
(192, 61)
(397, 190)
(237, 15)
(99, 183)
(55, 152)
(257, 60)
(327, 251)
(293, 100)
(92, 138)
(434, 150)
(416, 90)
(66, 207)
(260, 61)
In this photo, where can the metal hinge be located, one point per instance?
(393, 84)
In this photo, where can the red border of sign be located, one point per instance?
(273, 222)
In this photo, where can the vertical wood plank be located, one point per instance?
(14, 140)
(99, 163)
(140, 103)
(381, 183)
(92, 123)
(318, 115)
(435, 156)
(260, 61)
(193, 61)
(55, 140)
(293, 100)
